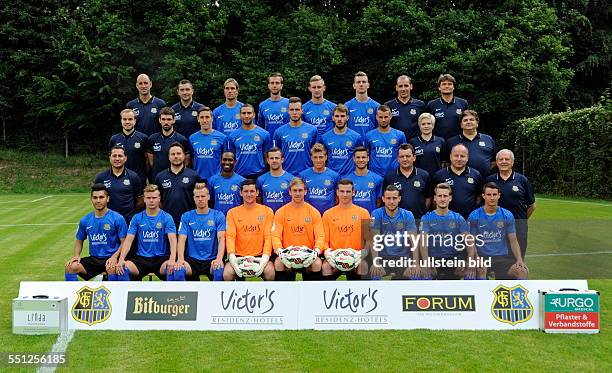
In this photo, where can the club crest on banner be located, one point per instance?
(92, 305)
(511, 305)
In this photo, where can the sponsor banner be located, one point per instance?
(570, 311)
(486, 305)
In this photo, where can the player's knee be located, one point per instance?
(315, 266)
(75, 267)
(278, 265)
(228, 273)
(269, 272)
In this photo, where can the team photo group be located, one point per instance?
(402, 190)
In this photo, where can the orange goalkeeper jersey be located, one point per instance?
(343, 227)
(249, 230)
(298, 226)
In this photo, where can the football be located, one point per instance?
(248, 265)
(297, 257)
(346, 259)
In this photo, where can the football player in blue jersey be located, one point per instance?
(340, 142)
(320, 180)
(318, 111)
(249, 143)
(201, 239)
(156, 234)
(146, 106)
(207, 145)
(295, 139)
(186, 110)
(362, 108)
(226, 117)
(494, 228)
(225, 185)
(105, 230)
(368, 185)
(274, 111)
(383, 143)
(273, 186)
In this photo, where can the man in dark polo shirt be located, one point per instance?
(159, 143)
(465, 181)
(405, 110)
(413, 183)
(134, 143)
(123, 185)
(516, 194)
(146, 106)
(176, 184)
(186, 110)
(447, 108)
(480, 146)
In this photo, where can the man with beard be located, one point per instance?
(159, 143)
(383, 143)
(249, 143)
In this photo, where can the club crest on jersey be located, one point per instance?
(260, 218)
(500, 224)
(452, 225)
(437, 149)
(153, 110)
(515, 188)
(481, 143)
(399, 225)
(137, 145)
(393, 141)
(511, 305)
(213, 142)
(417, 184)
(304, 135)
(325, 112)
(413, 111)
(107, 227)
(307, 219)
(458, 111)
(210, 222)
(194, 113)
(370, 185)
(256, 138)
(370, 110)
(185, 180)
(126, 182)
(349, 143)
(234, 188)
(92, 306)
(283, 110)
(237, 116)
(158, 225)
(327, 182)
(354, 217)
(470, 180)
(284, 185)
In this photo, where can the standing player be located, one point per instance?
(445, 236)
(186, 110)
(156, 234)
(388, 221)
(429, 149)
(159, 143)
(367, 185)
(134, 143)
(249, 231)
(318, 111)
(383, 143)
(225, 185)
(273, 186)
(516, 194)
(405, 110)
(105, 229)
(480, 146)
(176, 184)
(295, 139)
(122, 185)
(496, 227)
(146, 106)
(412, 182)
(207, 145)
(362, 109)
(465, 181)
(340, 142)
(346, 226)
(201, 238)
(447, 108)
(297, 224)
(320, 180)
(273, 112)
(226, 117)
(249, 143)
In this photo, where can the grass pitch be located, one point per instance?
(567, 239)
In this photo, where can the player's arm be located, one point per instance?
(530, 209)
(172, 241)
(180, 250)
(149, 160)
(326, 231)
(124, 249)
(78, 249)
(277, 230)
(319, 233)
(516, 249)
(218, 262)
(267, 248)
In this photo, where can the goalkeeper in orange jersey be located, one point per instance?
(346, 236)
(297, 235)
(248, 234)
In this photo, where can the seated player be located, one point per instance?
(297, 224)
(495, 230)
(201, 240)
(387, 221)
(105, 229)
(249, 230)
(156, 234)
(346, 226)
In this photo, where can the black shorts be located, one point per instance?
(448, 273)
(500, 265)
(398, 272)
(94, 265)
(198, 268)
(148, 265)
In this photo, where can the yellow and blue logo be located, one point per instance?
(92, 305)
(511, 305)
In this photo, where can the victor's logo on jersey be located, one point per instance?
(511, 305)
(275, 117)
(231, 126)
(202, 233)
(205, 152)
(361, 121)
(452, 225)
(150, 235)
(248, 148)
(398, 185)
(97, 238)
(295, 145)
(251, 228)
(317, 192)
(298, 229)
(92, 305)
(345, 228)
(319, 122)
(338, 152)
(177, 116)
(273, 197)
(225, 197)
(384, 151)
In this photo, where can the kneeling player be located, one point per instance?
(105, 229)
(201, 240)
(249, 230)
(446, 238)
(388, 221)
(156, 234)
(346, 227)
(298, 224)
(494, 228)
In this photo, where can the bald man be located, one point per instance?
(146, 106)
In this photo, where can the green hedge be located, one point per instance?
(567, 153)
